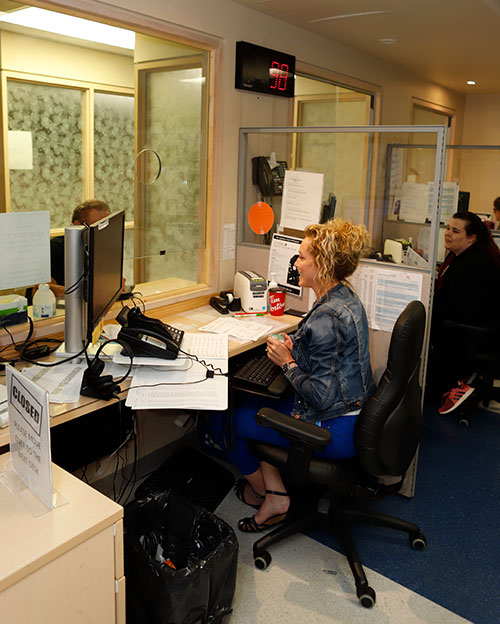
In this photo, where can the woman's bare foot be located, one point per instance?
(246, 493)
(273, 505)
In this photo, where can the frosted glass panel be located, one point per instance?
(53, 116)
(173, 230)
(114, 151)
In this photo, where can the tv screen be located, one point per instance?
(104, 266)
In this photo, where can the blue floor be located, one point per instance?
(457, 506)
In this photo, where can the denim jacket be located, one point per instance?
(333, 375)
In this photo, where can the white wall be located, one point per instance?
(227, 23)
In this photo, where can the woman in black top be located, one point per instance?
(467, 291)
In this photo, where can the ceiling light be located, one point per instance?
(347, 15)
(471, 82)
(76, 27)
(388, 41)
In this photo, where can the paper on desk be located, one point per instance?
(166, 389)
(197, 317)
(185, 389)
(237, 328)
(62, 382)
(206, 345)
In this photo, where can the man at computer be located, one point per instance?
(86, 213)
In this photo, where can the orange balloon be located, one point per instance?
(261, 217)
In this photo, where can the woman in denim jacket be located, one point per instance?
(327, 363)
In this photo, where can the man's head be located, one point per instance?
(89, 212)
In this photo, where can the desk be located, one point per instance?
(61, 413)
(65, 565)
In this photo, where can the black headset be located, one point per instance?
(103, 387)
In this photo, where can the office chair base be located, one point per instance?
(336, 521)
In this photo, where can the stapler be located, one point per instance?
(219, 304)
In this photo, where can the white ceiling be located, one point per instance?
(445, 41)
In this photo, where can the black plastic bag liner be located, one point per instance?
(180, 562)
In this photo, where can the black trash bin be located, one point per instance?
(180, 562)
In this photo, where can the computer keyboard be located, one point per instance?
(258, 371)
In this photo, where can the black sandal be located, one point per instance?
(239, 490)
(249, 525)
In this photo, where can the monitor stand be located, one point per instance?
(74, 279)
(107, 352)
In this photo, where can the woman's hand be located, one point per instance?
(280, 352)
(288, 342)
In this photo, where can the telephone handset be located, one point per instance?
(148, 337)
(270, 181)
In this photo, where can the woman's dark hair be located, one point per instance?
(496, 203)
(484, 239)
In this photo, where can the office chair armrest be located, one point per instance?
(293, 429)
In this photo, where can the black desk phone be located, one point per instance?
(148, 337)
(270, 181)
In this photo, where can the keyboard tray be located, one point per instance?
(258, 374)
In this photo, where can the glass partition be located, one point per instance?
(363, 180)
(470, 183)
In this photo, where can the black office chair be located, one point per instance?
(386, 437)
(478, 351)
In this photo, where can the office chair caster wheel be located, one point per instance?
(463, 422)
(366, 597)
(262, 560)
(418, 541)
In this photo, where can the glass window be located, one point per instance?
(53, 118)
(114, 151)
(114, 164)
(128, 126)
(171, 137)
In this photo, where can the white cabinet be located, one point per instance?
(65, 566)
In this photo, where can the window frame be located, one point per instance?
(208, 262)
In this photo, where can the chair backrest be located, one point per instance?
(387, 431)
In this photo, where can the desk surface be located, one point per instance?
(189, 320)
(29, 542)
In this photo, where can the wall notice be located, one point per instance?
(24, 248)
(301, 204)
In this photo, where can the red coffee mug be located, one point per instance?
(276, 301)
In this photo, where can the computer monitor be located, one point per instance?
(328, 210)
(463, 201)
(104, 267)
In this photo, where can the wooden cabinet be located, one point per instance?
(65, 566)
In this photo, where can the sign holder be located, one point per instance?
(28, 474)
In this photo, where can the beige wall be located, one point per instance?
(57, 60)
(224, 23)
(479, 172)
(482, 120)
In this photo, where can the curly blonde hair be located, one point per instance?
(336, 246)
